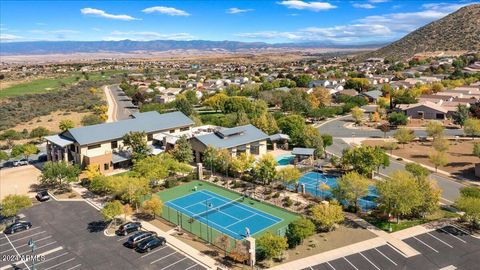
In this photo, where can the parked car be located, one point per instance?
(128, 228)
(138, 237)
(21, 162)
(42, 158)
(43, 196)
(17, 227)
(149, 244)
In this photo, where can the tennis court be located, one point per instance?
(313, 181)
(228, 216)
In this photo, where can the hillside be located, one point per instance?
(459, 31)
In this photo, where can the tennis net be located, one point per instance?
(218, 208)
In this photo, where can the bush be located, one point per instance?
(298, 230)
(92, 119)
(276, 195)
(473, 192)
(287, 202)
(397, 118)
(169, 183)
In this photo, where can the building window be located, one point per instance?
(172, 131)
(106, 167)
(114, 144)
(149, 137)
(90, 147)
(185, 129)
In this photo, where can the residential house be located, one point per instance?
(425, 110)
(372, 96)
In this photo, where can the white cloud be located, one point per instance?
(147, 35)
(9, 37)
(378, 1)
(365, 6)
(166, 10)
(103, 14)
(302, 5)
(235, 10)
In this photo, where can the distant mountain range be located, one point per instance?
(459, 31)
(125, 46)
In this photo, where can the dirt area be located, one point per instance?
(461, 161)
(346, 234)
(51, 121)
(448, 123)
(20, 180)
(67, 195)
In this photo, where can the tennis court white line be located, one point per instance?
(448, 245)
(209, 221)
(425, 244)
(16, 251)
(163, 257)
(240, 220)
(386, 257)
(368, 260)
(150, 253)
(246, 209)
(172, 264)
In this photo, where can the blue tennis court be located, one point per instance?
(313, 180)
(225, 215)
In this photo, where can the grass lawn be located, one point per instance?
(404, 224)
(185, 189)
(46, 85)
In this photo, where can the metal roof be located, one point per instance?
(59, 140)
(303, 151)
(239, 136)
(279, 136)
(148, 122)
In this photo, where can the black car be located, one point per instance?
(149, 244)
(138, 237)
(18, 226)
(43, 196)
(128, 228)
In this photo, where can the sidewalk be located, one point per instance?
(111, 105)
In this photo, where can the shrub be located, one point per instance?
(276, 195)
(169, 183)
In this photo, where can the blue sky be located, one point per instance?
(343, 22)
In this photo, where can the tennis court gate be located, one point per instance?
(200, 229)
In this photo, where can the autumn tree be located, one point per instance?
(66, 124)
(12, 204)
(265, 169)
(472, 127)
(438, 159)
(404, 135)
(327, 216)
(435, 129)
(357, 115)
(351, 187)
(153, 206)
(272, 245)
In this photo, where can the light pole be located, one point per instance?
(32, 245)
(207, 205)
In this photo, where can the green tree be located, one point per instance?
(66, 124)
(397, 119)
(159, 167)
(390, 146)
(153, 206)
(438, 159)
(365, 159)
(460, 115)
(209, 158)
(417, 170)
(3, 156)
(430, 198)
(137, 142)
(266, 122)
(470, 192)
(57, 174)
(404, 135)
(92, 119)
(39, 132)
(289, 175)
(435, 129)
(183, 105)
(298, 230)
(440, 144)
(28, 150)
(351, 187)
(111, 209)
(303, 80)
(327, 140)
(265, 169)
(216, 102)
(357, 115)
(313, 139)
(359, 84)
(471, 127)
(13, 203)
(471, 207)
(399, 194)
(294, 126)
(327, 216)
(272, 245)
(243, 162)
(183, 150)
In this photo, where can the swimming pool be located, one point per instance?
(284, 159)
(313, 181)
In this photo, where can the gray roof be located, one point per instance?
(148, 122)
(375, 94)
(279, 136)
(232, 137)
(59, 140)
(303, 151)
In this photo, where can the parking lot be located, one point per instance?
(70, 235)
(445, 248)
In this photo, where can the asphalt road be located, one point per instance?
(450, 187)
(70, 236)
(445, 248)
(124, 106)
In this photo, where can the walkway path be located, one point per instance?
(112, 105)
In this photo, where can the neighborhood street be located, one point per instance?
(336, 128)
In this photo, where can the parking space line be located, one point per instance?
(460, 229)
(29, 230)
(53, 258)
(123, 238)
(386, 257)
(58, 264)
(448, 245)
(150, 253)
(396, 250)
(350, 263)
(39, 247)
(24, 245)
(331, 266)
(191, 266)
(78, 265)
(172, 264)
(458, 238)
(25, 237)
(163, 257)
(16, 251)
(425, 244)
(368, 260)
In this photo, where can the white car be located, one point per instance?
(21, 162)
